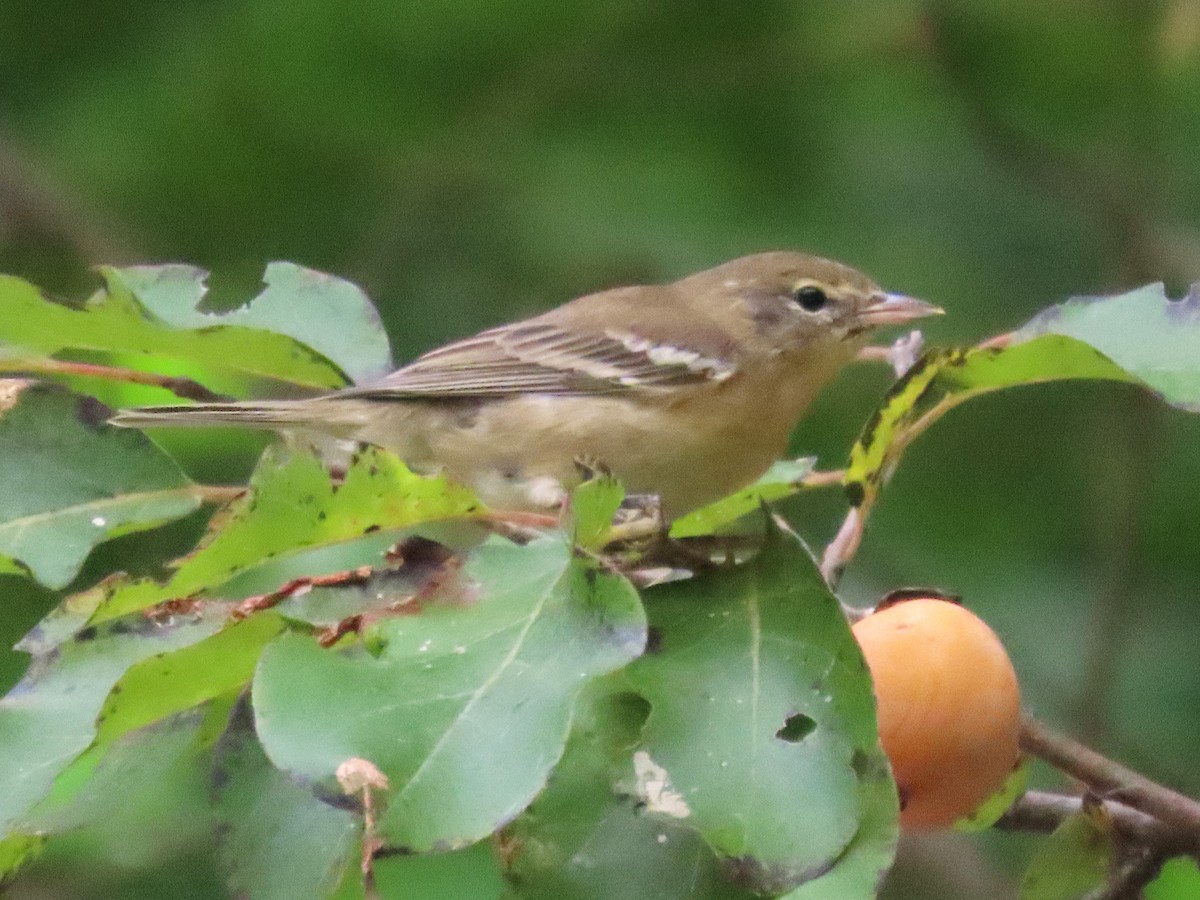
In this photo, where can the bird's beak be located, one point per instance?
(895, 309)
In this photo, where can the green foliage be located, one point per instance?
(353, 661)
(277, 838)
(1179, 880)
(468, 165)
(1073, 862)
(593, 506)
(49, 718)
(991, 809)
(327, 314)
(759, 697)
(149, 312)
(782, 480)
(68, 483)
(1140, 338)
(454, 693)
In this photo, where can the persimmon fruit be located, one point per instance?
(949, 706)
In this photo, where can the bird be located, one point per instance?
(686, 391)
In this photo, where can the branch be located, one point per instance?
(841, 550)
(181, 387)
(218, 494)
(1113, 781)
(1042, 812)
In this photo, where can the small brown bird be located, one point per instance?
(687, 391)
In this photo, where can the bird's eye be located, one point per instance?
(810, 298)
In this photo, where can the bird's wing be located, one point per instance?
(537, 357)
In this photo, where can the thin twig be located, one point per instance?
(1110, 779)
(1042, 812)
(823, 479)
(181, 387)
(299, 586)
(844, 545)
(218, 494)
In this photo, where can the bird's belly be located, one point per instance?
(516, 451)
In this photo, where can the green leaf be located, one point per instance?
(69, 482)
(1139, 338)
(762, 732)
(593, 505)
(1071, 863)
(49, 718)
(276, 838)
(330, 315)
(16, 851)
(293, 504)
(861, 868)
(782, 480)
(1178, 880)
(472, 687)
(159, 772)
(1149, 337)
(115, 320)
(990, 810)
(586, 837)
(468, 874)
(169, 683)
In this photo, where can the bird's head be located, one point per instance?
(793, 302)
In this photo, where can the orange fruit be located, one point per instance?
(949, 707)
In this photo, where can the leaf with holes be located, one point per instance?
(293, 504)
(464, 708)
(116, 320)
(328, 314)
(585, 837)
(762, 733)
(69, 482)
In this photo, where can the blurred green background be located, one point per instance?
(467, 162)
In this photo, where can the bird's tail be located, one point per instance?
(250, 414)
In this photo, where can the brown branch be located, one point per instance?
(218, 494)
(823, 479)
(296, 586)
(1042, 812)
(844, 545)
(1112, 781)
(181, 387)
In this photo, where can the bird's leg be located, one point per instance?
(639, 517)
(590, 467)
